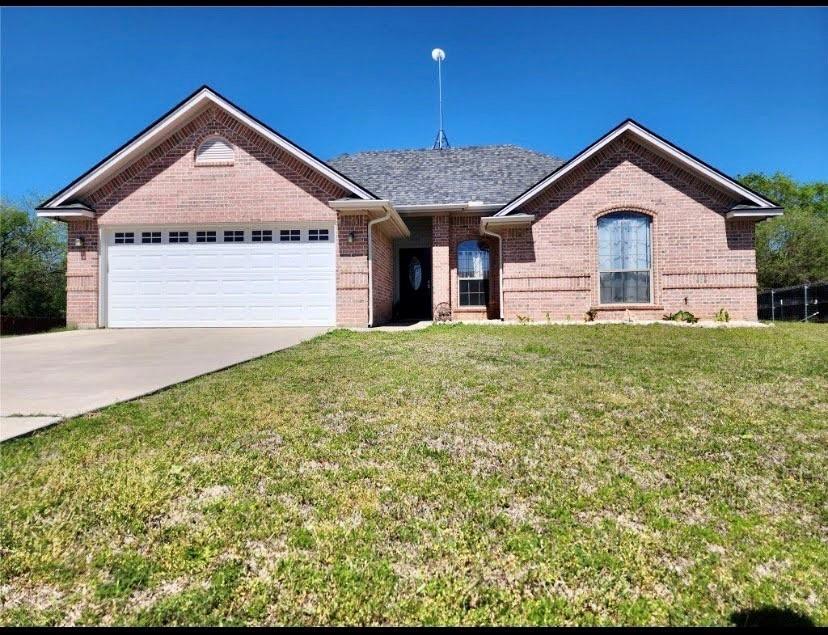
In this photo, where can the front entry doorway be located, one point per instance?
(415, 284)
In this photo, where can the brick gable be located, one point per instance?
(551, 267)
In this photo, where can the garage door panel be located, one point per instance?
(221, 284)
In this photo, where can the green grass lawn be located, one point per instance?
(454, 475)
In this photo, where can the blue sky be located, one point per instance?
(743, 89)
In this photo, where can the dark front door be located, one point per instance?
(415, 283)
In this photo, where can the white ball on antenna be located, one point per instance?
(438, 55)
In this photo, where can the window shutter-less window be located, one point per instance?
(215, 150)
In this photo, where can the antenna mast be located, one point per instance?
(438, 55)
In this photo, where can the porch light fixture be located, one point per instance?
(351, 237)
(79, 241)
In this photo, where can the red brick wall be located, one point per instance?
(468, 228)
(352, 271)
(550, 269)
(440, 269)
(265, 183)
(382, 275)
(82, 275)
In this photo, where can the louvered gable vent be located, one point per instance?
(215, 150)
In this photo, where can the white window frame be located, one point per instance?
(235, 233)
(486, 278)
(152, 237)
(290, 235)
(650, 300)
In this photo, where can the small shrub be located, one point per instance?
(442, 312)
(590, 315)
(523, 319)
(722, 315)
(681, 316)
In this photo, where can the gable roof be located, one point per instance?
(660, 146)
(491, 173)
(165, 125)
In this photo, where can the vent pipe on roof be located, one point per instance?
(438, 55)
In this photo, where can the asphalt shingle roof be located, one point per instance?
(492, 174)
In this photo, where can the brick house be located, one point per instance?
(208, 217)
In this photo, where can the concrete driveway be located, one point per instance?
(48, 377)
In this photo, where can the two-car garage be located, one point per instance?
(240, 275)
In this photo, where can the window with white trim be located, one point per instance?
(317, 234)
(150, 238)
(290, 235)
(624, 258)
(473, 273)
(124, 238)
(262, 236)
(215, 151)
(179, 237)
(233, 235)
(205, 237)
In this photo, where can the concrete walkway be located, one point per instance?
(49, 377)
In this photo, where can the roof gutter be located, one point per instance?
(757, 213)
(374, 209)
(436, 208)
(64, 215)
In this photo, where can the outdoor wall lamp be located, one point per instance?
(79, 241)
(351, 237)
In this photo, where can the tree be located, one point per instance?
(32, 264)
(793, 248)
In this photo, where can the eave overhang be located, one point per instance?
(374, 209)
(753, 212)
(66, 212)
(506, 222)
(430, 209)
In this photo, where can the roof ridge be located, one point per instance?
(453, 149)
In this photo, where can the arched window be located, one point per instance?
(624, 257)
(215, 150)
(473, 273)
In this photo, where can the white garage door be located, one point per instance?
(226, 276)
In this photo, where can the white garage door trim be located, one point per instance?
(279, 257)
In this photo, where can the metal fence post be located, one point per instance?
(773, 308)
(806, 302)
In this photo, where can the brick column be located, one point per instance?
(352, 271)
(82, 275)
(440, 265)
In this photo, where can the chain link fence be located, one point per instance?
(803, 303)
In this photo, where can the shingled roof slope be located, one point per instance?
(491, 173)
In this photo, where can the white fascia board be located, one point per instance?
(758, 214)
(666, 148)
(515, 220)
(450, 207)
(78, 213)
(139, 145)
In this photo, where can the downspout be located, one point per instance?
(486, 232)
(371, 224)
